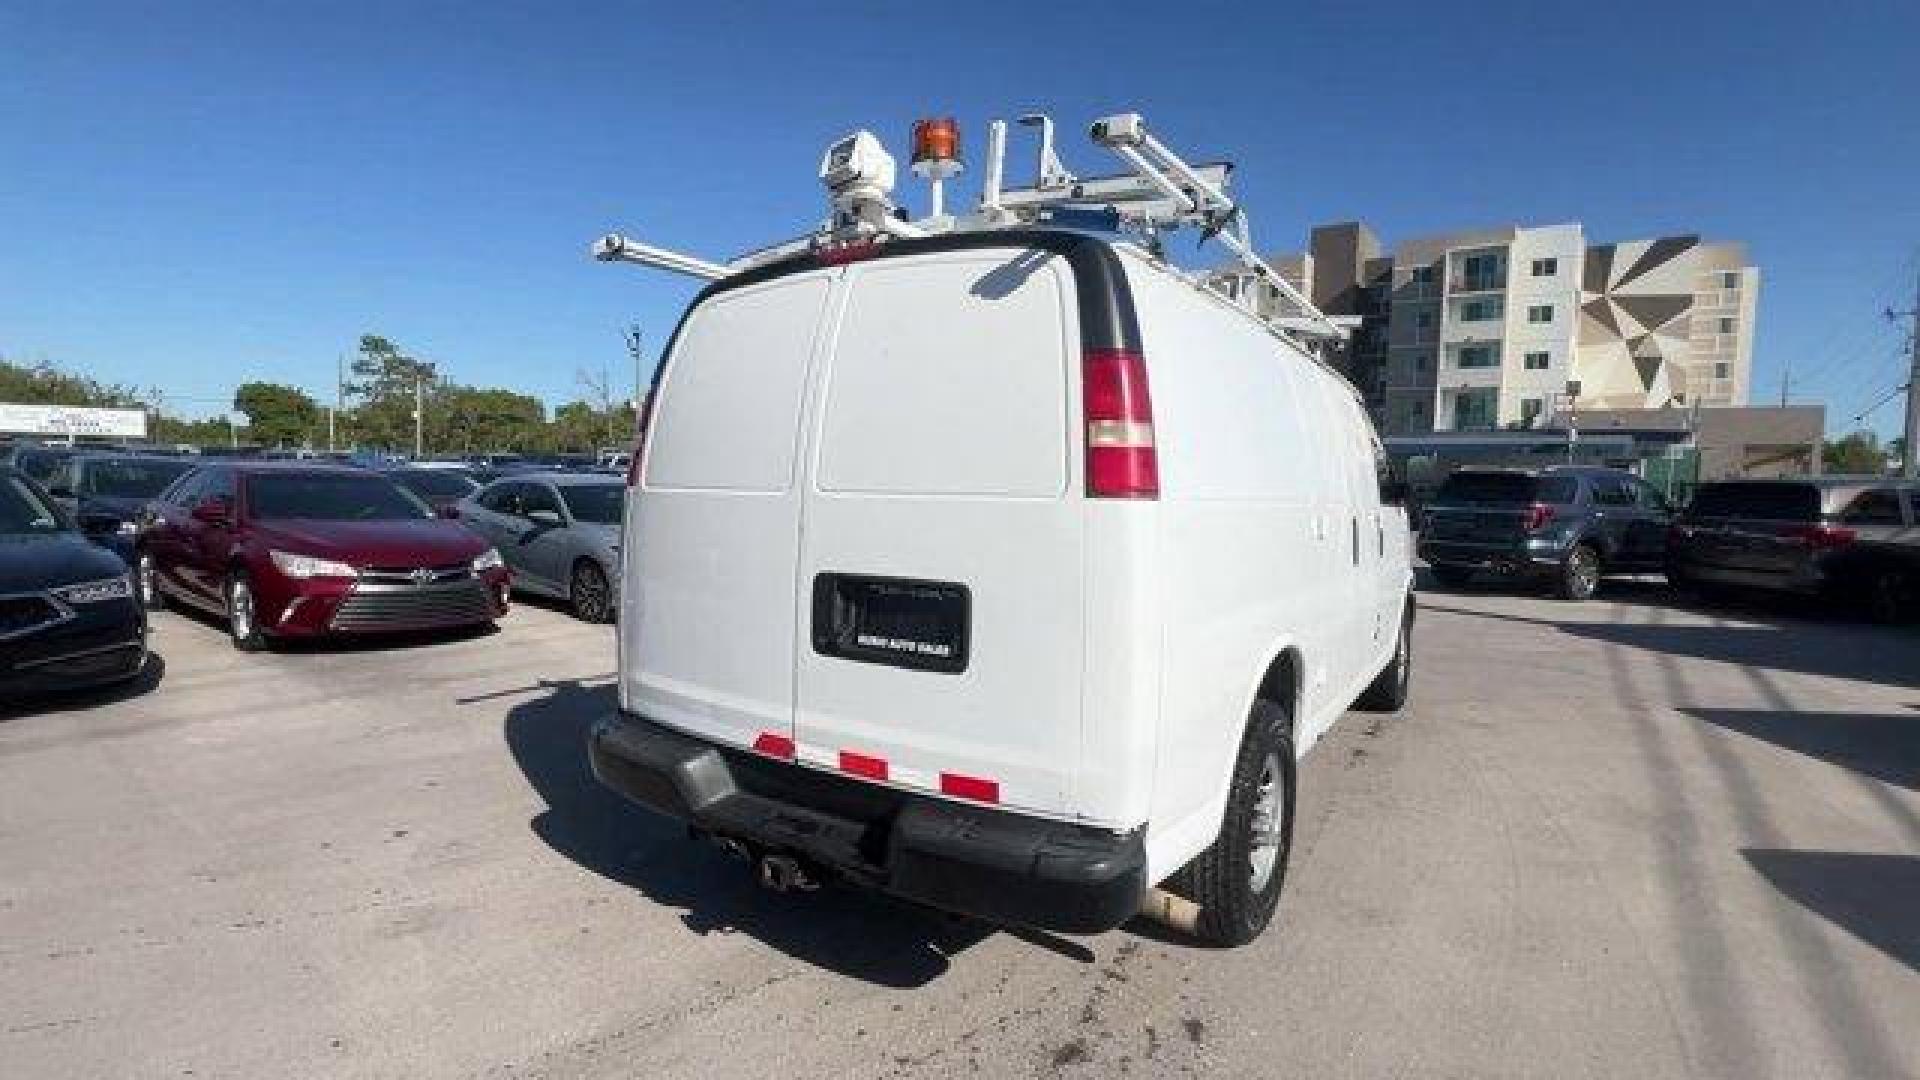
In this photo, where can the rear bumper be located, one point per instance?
(1808, 580)
(978, 861)
(1507, 557)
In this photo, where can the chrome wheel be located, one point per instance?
(592, 598)
(143, 577)
(1583, 573)
(1266, 832)
(240, 609)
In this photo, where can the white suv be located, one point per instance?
(924, 591)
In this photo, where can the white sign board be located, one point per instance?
(62, 421)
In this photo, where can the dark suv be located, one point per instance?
(1568, 526)
(1853, 539)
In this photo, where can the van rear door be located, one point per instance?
(707, 634)
(940, 581)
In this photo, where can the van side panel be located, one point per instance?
(1247, 563)
(707, 615)
(943, 452)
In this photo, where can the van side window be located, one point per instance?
(949, 377)
(729, 410)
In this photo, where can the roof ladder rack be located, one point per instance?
(1197, 200)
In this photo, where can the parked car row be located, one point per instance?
(68, 614)
(281, 550)
(1850, 539)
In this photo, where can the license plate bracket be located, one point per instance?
(907, 623)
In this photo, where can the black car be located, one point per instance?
(68, 614)
(38, 462)
(1567, 526)
(106, 493)
(1850, 539)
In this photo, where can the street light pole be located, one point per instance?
(419, 411)
(1910, 449)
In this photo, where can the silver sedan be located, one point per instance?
(558, 532)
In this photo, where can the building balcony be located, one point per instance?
(1477, 283)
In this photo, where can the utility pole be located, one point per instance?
(339, 399)
(639, 361)
(1786, 380)
(1910, 449)
(419, 410)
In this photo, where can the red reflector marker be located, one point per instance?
(872, 768)
(774, 745)
(969, 787)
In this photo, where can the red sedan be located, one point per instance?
(299, 550)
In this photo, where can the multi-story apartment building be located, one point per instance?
(1516, 327)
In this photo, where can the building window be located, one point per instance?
(1423, 320)
(1721, 371)
(1730, 279)
(1726, 326)
(1540, 313)
(1538, 361)
(1479, 311)
(1478, 356)
(1423, 275)
(1420, 362)
(1530, 409)
(1474, 409)
(1546, 267)
(1481, 272)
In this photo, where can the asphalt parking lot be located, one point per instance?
(1625, 838)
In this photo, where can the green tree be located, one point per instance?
(382, 385)
(1859, 452)
(466, 419)
(277, 415)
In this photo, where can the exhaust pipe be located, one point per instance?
(783, 873)
(1167, 909)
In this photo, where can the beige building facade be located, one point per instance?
(1513, 327)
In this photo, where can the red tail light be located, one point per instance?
(1121, 460)
(1537, 517)
(1823, 537)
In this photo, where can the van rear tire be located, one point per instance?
(1236, 899)
(1388, 691)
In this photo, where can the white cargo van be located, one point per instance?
(1009, 571)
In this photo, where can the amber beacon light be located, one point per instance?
(936, 155)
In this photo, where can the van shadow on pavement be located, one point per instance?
(849, 931)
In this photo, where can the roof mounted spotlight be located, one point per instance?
(859, 173)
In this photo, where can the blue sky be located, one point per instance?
(193, 195)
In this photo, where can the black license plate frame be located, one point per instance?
(912, 623)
